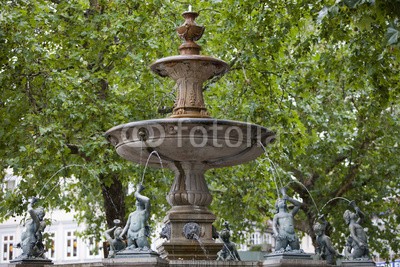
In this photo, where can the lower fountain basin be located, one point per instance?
(211, 142)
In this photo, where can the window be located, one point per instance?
(50, 244)
(265, 238)
(93, 248)
(52, 250)
(72, 244)
(252, 236)
(257, 240)
(7, 248)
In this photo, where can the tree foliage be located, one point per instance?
(323, 74)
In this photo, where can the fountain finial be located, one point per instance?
(190, 32)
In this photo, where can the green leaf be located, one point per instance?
(392, 35)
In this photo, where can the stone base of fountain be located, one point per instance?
(154, 261)
(30, 262)
(150, 261)
(357, 263)
(190, 263)
(136, 253)
(190, 231)
(286, 259)
(178, 250)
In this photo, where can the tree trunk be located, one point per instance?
(114, 200)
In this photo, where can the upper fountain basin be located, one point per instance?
(189, 66)
(212, 143)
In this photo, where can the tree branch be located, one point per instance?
(336, 162)
(349, 181)
(30, 96)
(76, 151)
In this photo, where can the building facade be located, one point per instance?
(61, 238)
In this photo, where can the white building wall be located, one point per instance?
(266, 238)
(306, 244)
(63, 227)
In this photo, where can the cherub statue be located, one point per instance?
(324, 247)
(31, 238)
(136, 228)
(283, 224)
(357, 243)
(228, 251)
(113, 237)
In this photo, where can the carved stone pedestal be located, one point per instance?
(190, 263)
(189, 220)
(136, 253)
(184, 250)
(357, 263)
(39, 262)
(135, 261)
(291, 260)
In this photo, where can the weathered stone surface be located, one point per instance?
(156, 262)
(294, 263)
(138, 261)
(291, 260)
(30, 262)
(213, 143)
(180, 249)
(288, 255)
(357, 263)
(191, 263)
(136, 253)
(189, 72)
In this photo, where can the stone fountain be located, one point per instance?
(190, 142)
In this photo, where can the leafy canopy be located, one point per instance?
(322, 74)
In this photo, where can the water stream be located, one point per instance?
(197, 238)
(294, 180)
(298, 182)
(57, 184)
(227, 248)
(141, 152)
(280, 182)
(48, 180)
(275, 173)
(332, 199)
(147, 162)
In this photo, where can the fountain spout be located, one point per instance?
(192, 231)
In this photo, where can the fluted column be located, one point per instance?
(189, 101)
(189, 186)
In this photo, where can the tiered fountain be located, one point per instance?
(190, 142)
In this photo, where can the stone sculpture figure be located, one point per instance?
(324, 247)
(31, 238)
(283, 224)
(228, 251)
(113, 237)
(166, 231)
(136, 228)
(357, 243)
